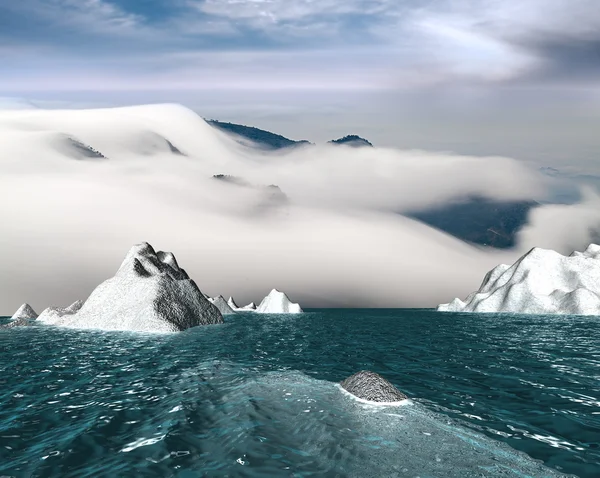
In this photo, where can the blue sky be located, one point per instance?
(350, 44)
(351, 58)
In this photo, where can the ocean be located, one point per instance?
(491, 395)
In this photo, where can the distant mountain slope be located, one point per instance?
(476, 219)
(276, 141)
(480, 220)
(259, 136)
(352, 140)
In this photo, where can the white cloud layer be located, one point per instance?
(337, 242)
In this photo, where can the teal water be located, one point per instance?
(257, 396)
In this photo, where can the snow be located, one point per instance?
(540, 282)
(247, 308)
(278, 303)
(231, 303)
(149, 293)
(25, 312)
(221, 304)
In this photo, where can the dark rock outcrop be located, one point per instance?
(352, 140)
(372, 387)
(265, 139)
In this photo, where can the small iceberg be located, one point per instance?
(278, 303)
(149, 293)
(247, 308)
(540, 282)
(25, 312)
(221, 304)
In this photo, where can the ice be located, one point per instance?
(221, 304)
(540, 282)
(251, 307)
(25, 312)
(149, 293)
(231, 303)
(278, 303)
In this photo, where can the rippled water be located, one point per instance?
(257, 397)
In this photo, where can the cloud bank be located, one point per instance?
(84, 185)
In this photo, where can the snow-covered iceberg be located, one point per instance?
(25, 312)
(149, 293)
(247, 308)
(540, 282)
(278, 303)
(56, 313)
(231, 303)
(221, 304)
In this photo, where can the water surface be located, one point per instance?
(257, 396)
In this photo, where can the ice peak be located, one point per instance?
(542, 281)
(143, 261)
(149, 293)
(278, 302)
(25, 312)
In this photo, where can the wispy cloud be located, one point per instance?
(484, 40)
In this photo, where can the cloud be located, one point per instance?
(280, 10)
(406, 44)
(564, 227)
(532, 39)
(339, 241)
(90, 16)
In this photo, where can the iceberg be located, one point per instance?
(372, 387)
(540, 282)
(55, 313)
(149, 293)
(247, 308)
(24, 312)
(251, 306)
(221, 304)
(231, 303)
(278, 303)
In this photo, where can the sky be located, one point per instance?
(511, 77)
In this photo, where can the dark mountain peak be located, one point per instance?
(266, 139)
(352, 140)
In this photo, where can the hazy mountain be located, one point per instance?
(352, 140)
(476, 219)
(263, 138)
(479, 220)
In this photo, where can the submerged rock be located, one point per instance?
(278, 303)
(25, 312)
(540, 282)
(149, 293)
(372, 387)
